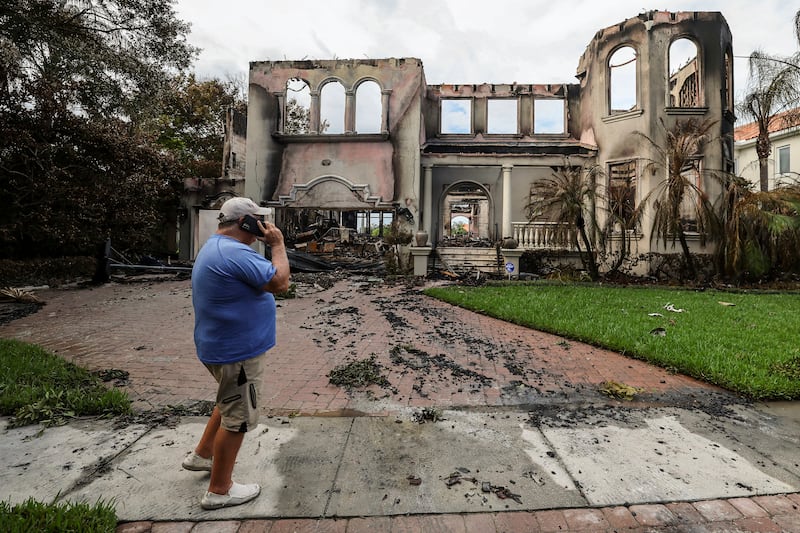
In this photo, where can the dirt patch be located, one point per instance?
(358, 374)
(168, 416)
(575, 414)
(13, 310)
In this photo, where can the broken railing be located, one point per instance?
(543, 235)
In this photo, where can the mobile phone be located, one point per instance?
(250, 225)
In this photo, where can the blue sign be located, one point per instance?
(509, 267)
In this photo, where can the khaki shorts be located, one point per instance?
(237, 395)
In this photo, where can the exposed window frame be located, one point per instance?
(323, 130)
(564, 130)
(358, 87)
(627, 176)
(636, 107)
(697, 76)
(489, 115)
(471, 117)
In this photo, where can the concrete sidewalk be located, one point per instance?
(525, 442)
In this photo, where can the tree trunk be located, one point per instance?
(763, 174)
(591, 264)
(763, 149)
(687, 255)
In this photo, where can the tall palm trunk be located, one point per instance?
(763, 149)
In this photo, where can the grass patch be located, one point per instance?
(56, 518)
(37, 386)
(744, 342)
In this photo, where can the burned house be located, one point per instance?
(355, 141)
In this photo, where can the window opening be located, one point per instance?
(501, 116)
(622, 192)
(684, 89)
(622, 66)
(298, 106)
(456, 116)
(548, 116)
(332, 108)
(691, 173)
(368, 108)
(728, 100)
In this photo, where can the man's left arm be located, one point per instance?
(280, 281)
(274, 238)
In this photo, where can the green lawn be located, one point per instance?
(37, 386)
(751, 347)
(57, 518)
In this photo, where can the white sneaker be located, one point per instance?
(237, 495)
(196, 463)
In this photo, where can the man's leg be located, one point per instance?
(226, 448)
(236, 412)
(205, 448)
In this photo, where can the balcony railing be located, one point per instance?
(543, 235)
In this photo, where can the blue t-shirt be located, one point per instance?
(234, 319)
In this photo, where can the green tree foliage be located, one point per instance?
(191, 122)
(297, 118)
(568, 196)
(761, 236)
(458, 229)
(773, 88)
(78, 79)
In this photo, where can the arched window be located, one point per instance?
(466, 211)
(368, 108)
(684, 74)
(622, 76)
(297, 107)
(331, 113)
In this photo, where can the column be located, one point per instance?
(427, 197)
(349, 112)
(385, 110)
(282, 113)
(313, 112)
(507, 229)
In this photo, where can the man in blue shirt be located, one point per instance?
(234, 308)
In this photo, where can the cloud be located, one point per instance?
(458, 41)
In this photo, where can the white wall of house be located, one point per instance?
(784, 161)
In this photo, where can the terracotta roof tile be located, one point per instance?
(779, 122)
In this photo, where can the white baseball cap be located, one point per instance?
(237, 207)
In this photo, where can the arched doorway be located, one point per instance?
(466, 213)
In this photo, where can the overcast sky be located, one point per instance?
(458, 41)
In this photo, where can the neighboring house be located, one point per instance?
(784, 160)
(202, 197)
(356, 137)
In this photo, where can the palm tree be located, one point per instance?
(678, 200)
(774, 87)
(568, 196)
(623, 218)
(761, 229)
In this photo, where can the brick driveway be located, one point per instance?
(432, 354)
